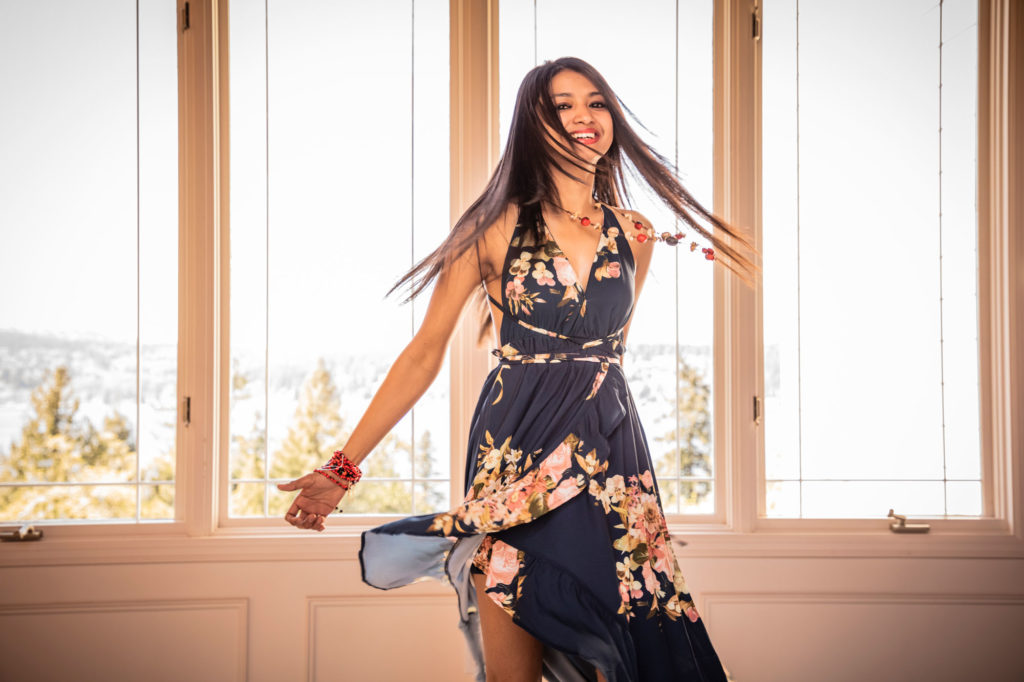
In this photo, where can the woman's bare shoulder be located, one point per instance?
(495, 238)
(503, 227)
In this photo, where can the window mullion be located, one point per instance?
(474, 152)
(738, 338)
(202, 319)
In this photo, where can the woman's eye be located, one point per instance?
(561, 106)
(599, 105)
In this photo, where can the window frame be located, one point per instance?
(736, 528)
(739, 338)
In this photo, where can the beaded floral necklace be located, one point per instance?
(643, 232)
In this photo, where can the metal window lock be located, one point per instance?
(901, 525)
(26, 533)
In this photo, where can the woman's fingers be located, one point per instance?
(296, 514)
(299, 517)
(292, 516)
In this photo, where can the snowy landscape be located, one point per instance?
(103, 380)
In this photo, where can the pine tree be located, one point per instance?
(158, 499)
(55, 448)
(316, 428)
(431, 496)
(316, 431)
(247, 461)
(693, 435)
(383, 497)
(248, 454)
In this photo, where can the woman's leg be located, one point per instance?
(511, 654)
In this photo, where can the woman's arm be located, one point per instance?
(409, 377)
(418, 365)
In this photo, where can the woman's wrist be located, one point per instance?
(344, 485)
(341, 470)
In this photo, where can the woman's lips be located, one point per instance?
(590, 136)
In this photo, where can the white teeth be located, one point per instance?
(584, 136)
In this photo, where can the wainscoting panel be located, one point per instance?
(848, 637)
(411, 638)
(154, 641)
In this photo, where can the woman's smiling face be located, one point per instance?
(583, 112)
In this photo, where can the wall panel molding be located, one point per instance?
(148, 632)
(436, 653)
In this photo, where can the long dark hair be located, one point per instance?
(524, 177)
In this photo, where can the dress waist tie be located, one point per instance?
(509, 355)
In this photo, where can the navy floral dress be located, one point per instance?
(562, 513)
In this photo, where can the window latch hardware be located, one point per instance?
(901, 525)
(26, 533)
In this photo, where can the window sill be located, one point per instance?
(102, 544)
(979, 538)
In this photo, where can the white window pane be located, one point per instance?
(352, 114)
(697, 497)
(871, 354)
(782, 499)
(88, 259)
(963, 498)
(871, 499)
(669, 360)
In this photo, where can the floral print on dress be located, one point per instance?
(598, 380)
(551, 269)
(647, 568)
(566, 275)
(542, 274)
(503, 569)
(509, 489)
(519, 299)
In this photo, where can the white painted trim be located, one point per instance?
(202, 182)
(342, 545)
(1001, 257)
(474, 154)
(738, 375)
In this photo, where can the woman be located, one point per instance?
(559, 552)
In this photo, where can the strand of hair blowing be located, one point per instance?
(524, 178)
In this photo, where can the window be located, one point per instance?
(669, 349)
(301, 121)
(88, 262)
(339, 143)
(871, 259)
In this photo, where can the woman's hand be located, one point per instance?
(316, 499)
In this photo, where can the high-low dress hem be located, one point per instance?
(562, 513)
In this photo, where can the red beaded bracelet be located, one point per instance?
(333, 480)
(343, 467)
